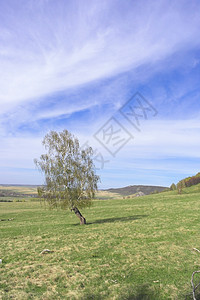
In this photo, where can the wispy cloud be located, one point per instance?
(168, 147)
(158, 139)
(48, 46)
(74, 63)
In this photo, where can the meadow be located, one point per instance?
(139, 248)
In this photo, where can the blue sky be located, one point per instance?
(74, 65)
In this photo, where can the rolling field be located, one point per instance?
(19, 189)
(137, 248)
(107, 195)
(32, 190)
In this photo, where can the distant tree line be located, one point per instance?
(8, 193)
(186, 182)
(189, 181)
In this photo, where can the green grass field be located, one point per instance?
(137, 248)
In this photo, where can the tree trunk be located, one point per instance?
(79, 215)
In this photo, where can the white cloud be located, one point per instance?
(20, 152)
(158, 139)
(49, 47)
(52, 46)
(171, 147)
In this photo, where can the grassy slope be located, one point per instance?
(139, 246)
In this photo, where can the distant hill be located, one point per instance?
(17, 190)
(133, 189)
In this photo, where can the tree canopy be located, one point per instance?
(173, 187)
(70, 179)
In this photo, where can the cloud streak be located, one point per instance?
(72, 64)
(162, 148)
(49, 46)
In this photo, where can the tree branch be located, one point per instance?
(195, 249)
(192, 283)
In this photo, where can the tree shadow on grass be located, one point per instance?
(113, 220)
(142, 293)
(120, 219)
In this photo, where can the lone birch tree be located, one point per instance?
(70, 179)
